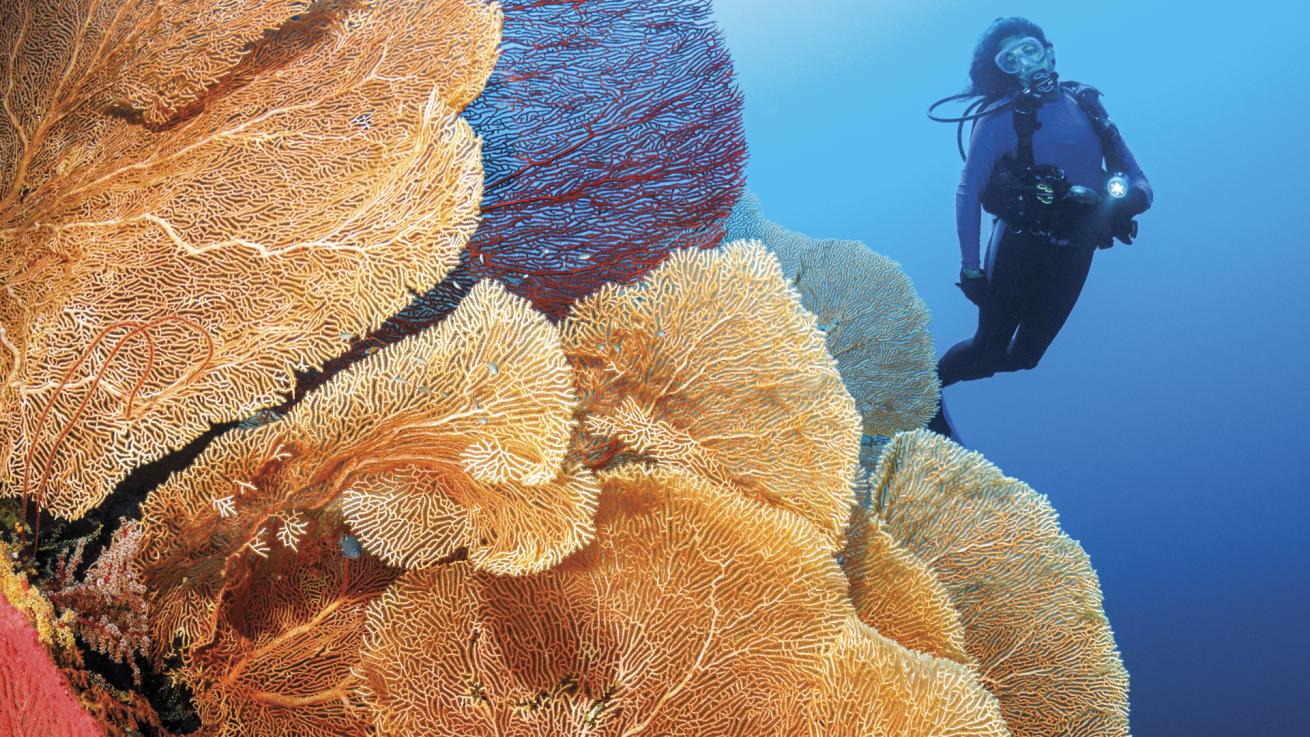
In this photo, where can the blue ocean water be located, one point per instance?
(1167, 423)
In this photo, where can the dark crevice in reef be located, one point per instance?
(98, 525)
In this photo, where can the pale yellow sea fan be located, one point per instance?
(1026, 593)
(871, 685)
(874, 322)
(711, 364)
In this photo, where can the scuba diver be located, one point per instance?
(1035, 164)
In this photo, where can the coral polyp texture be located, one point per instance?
(162, 278)
(35, 699)
(711, 364)
(874, 323)
(1026, 593)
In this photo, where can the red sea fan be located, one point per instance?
(612, 135)
(35, 700)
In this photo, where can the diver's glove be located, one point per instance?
(973, 282)
(1122, 225)
(1133, 204)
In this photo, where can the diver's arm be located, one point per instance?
(1120, 156)
(985, 149)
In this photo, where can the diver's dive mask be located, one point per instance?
(1021, 56)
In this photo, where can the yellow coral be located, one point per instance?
(22, 595)
(692, 612)
(874, 323)
(711, 364)
(161, 279)
(870, 685)
(897, 594)
(1026, 593)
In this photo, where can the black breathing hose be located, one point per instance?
(969, 115)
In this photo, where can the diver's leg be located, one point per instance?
(1064, 275)
(1007, 273)
(984, 353)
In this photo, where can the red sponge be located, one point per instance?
(35, 699)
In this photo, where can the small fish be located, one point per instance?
(350, 546)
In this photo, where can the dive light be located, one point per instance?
(1117, 186)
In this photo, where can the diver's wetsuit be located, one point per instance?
(1032, 283)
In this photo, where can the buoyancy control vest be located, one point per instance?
(1038, 198)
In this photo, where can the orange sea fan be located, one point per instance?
(477, 410)
(871, 685)
(693, 612)
(414, 519)
(711, 364)
(191, 45)
(283, 659)
(160, 279)
(897, 594)
(1026, 593)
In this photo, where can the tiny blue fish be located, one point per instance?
(350, 546)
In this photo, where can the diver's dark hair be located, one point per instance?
(985, 78)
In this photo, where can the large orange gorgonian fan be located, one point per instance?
(453, 439)
(191, 45)
(173, 246)
(690, 614)
(711, 364)
(1026, 593)
(695, 611)
(285, 654)
(871, 685)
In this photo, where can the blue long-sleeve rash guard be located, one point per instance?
(1065, 139)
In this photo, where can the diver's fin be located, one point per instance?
(942, 425)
